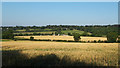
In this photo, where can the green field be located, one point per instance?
(48, 31)
(72, 31)
(21, 30)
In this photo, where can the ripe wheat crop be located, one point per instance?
(100, 54)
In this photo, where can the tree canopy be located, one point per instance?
(76, 36)
(112, 37)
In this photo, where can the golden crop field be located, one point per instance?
(64, 38)
(59, 53)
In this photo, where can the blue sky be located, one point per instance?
(59, 13)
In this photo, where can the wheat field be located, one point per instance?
(64, 38)
(100, 54)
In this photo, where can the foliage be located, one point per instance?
(95, 41)
(72, 31)
(31, 38)
(56, 33)
(76, 36)
(69, 34)
(95, 30)
(7, 34)
(112, 36)
(85, 34)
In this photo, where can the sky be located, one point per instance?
(59, 13)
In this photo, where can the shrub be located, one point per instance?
(105, 41)
(15, 39)
(94, 41)
(31, 38)
(99, 41)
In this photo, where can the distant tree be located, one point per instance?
(31, 38)
(69, 34)
(112, 36)
(15, 39)
(26, 34)
(59, 32)
(94, 41)
(34, 33)
(56, 33)
(99, 41)
(27, 29)
(88, 41)
(7, 34)
(20, 34)
(76, 36)
(52, 33)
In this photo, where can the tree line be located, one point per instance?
(110, 31)
(95, 30)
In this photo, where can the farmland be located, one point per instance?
(49, 31)
(56, 46)
(60, 34)
(100, 54)
(64, 38)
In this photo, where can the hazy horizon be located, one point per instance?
(58, 25)
(59, 13)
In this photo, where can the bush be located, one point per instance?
(94, 41)
(15, 39)
(105, 41)
(112, 36)
(76, 36)
(31, 38)
(99, 41)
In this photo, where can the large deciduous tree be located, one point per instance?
(76, 36)
(112, 37)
